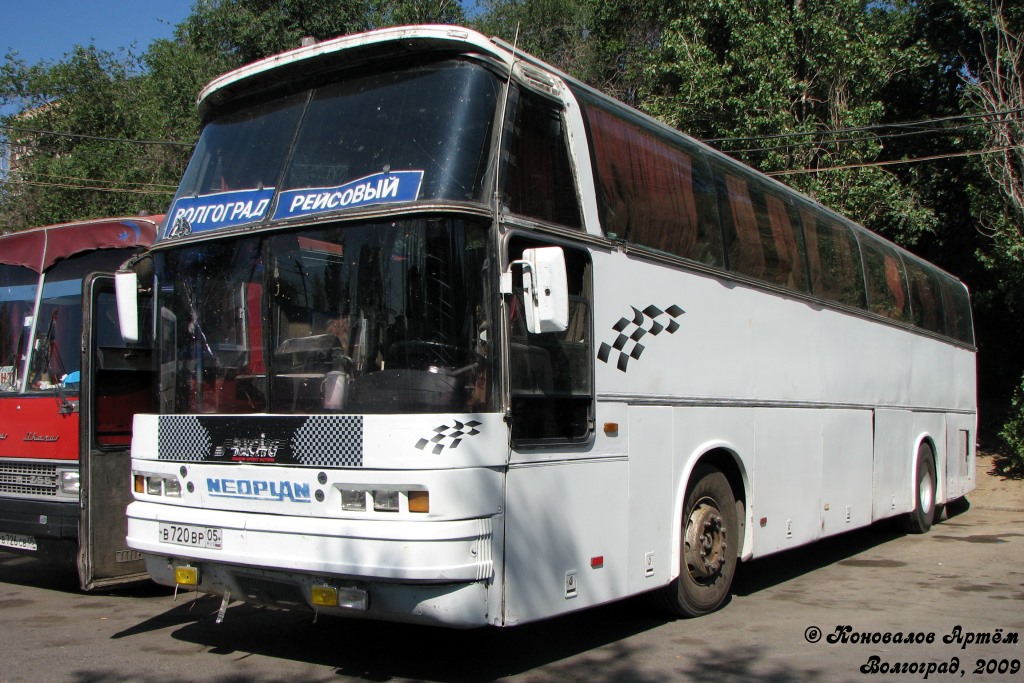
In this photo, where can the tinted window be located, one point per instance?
(925, 297)
(834, 258)
(762, 231)
(435, 118)
(539, 179)
(651, 192)
(957, 307)
(243, 150)
(886, 283)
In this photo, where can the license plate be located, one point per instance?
(17, 541)
(192, 536)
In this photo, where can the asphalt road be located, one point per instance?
(966, 577)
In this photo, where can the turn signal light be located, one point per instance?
(419, 501)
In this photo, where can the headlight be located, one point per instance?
(68, 483)
(385, 500)
(156, 485)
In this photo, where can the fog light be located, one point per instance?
(186, 576)
(324, 596)
(353, 598)
(385, 501)
(354, 501)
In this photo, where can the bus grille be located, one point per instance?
(29, 479)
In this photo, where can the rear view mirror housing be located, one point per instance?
(545, 289)
(126, 288)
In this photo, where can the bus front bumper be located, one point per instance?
(30, 526)
(434, 572)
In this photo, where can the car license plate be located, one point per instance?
(17, 541)
(192, 536)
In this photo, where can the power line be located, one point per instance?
(65, 186)
(57, 176)
(894, 162)
(875, 126)
(100, 138)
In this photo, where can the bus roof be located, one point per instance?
(353, 49)
(40, 248)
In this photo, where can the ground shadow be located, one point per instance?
(1007, 466)
(58, 572)
(596, 641)
(378, 651)
(767, 572)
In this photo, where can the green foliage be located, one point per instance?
(552, 30)
(1012, 432)
(72, 135)
(773, 80)
(236, 32)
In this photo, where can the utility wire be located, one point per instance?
(876, 126)
(35, 131)
(894, 162)
(65, 186)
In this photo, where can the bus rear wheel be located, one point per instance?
(925, 486)
(707, 560)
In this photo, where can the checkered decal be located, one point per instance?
(450, 436)
(329, 441)
(632, 330)
(182, 438)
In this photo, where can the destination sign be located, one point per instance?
(216, 211)
(393, 186)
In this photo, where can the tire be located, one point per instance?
(925, 489)
(708, 545)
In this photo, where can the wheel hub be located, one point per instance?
(705, 542)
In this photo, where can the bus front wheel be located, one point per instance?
(920, 520)
(708, 546)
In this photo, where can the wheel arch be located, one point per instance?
(727, 460)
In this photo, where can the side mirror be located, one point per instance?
(126, 288)
(545, 289)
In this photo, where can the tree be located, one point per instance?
(793, 87)
(236, 32)
(995, 89)
(81, 138)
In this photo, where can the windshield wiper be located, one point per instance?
(43, 365)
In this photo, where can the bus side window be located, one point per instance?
(539, 182)
(834, 259)
(762, 231)
(957, 306)
(886, 283)
(550, 374)
(652, 193)
(925, 297)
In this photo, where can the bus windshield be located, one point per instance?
(372, 318)
(56, 356)
(417, 133)
(18, 287)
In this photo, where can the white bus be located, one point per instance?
(445, 336)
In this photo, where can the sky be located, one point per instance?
(48, 29)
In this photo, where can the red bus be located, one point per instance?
(49, 286)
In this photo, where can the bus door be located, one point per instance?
(116, 382)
